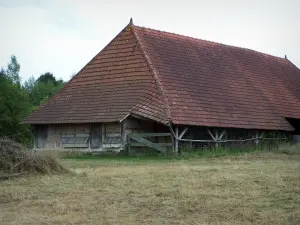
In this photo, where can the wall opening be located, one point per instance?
(296, 124)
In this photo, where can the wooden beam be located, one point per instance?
(217, 138)
(172, 131)
(138, 116)
(183, 133)
(138, 144)
(149, 144)
(225, 141)
(123, 133)
(128, 143)
(258, 136)
(173, 136)
(176, 140)
(152, 134)
(212, 136)
(125, 117)
(222, 134)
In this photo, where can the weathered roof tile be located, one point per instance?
(173, 78)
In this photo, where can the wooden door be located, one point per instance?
(95, 136)
(40, 137)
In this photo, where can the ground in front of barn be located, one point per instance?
(262, 188)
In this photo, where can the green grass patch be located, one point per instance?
(185, 154)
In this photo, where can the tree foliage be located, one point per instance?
(13, 69)
(17, 100)
(44, 88)
(14, 106)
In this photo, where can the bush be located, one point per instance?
(14, 158)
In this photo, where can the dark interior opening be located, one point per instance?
(296, 124)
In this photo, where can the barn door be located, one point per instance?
(95, 136)
(40, 136)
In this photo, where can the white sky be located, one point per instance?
(61, 36)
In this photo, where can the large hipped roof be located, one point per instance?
(173, 78)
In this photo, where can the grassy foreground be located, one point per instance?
(260, 188)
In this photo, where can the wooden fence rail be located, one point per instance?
(139, 140)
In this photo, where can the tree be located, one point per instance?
(29, 84)
(14, 106)
(43, 88)
(46, 78)
(13, 69)
(17, 101)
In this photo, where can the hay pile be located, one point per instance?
(15, 159)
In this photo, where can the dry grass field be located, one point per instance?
(253, 189)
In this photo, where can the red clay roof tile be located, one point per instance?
(116, 82)
(173, 78)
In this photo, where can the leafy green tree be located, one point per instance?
(13, 70)
(44, 88)
(46, 78)
(14, 106)
(17, 101)
(29, 84)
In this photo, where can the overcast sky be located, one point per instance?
(61, 36)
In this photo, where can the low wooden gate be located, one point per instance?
(140, 140)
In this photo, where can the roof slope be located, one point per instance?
(212, 84)
(172, 78)
(116, 82)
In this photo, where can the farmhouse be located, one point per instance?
(172, 88)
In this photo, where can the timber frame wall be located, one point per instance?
(199, 137)
(113, 136)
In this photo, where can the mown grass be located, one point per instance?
(256, 188)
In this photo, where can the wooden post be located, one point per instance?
(176, 140)
(128, 144)
(217, 138)
(34, 138)
(100, 135)
(123, 133)
(183, 133)
(256, 138)
(214, 137)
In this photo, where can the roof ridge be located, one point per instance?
(154, 72)
(289, 61)
(211, 42)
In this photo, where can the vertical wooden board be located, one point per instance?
(83, 128)
(41, 136)
(112, 128)
(57, 141)
(123, 132)
(176, 140)
(102, 127)
(57, 128)
(57, 131)
(95, 137)
(70, 129)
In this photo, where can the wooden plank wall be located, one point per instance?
(55, 132)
